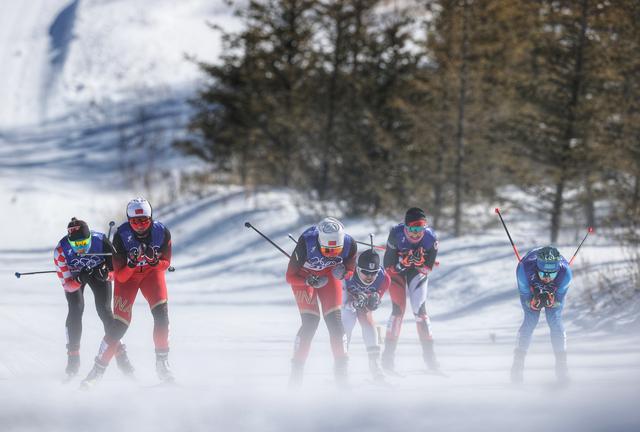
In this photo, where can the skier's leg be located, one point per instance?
(330, 297)
(102, 296)
(307, 301)
(124, 297)
(525, 332)
(417, 289)
(349, 315)
(73, 325)
(558, 341)
(370, 336)
(397, 292)
(154, 289)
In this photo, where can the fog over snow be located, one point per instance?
(72, 73)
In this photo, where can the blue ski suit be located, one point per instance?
(529, 284)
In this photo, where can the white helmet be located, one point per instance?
(331, 233)
(138, 207)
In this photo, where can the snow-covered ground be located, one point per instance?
(233, 318)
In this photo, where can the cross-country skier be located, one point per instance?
(142, 256)
(324, 256)
(363, 292)
(411, 252)
(77, 267)
(543, 280)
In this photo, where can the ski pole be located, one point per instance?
(508, 235)
(248, 225)
(589, 231)
(111, 224)
(18, 274)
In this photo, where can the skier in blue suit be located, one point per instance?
(543, 281)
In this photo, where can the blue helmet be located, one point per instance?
(548, 259)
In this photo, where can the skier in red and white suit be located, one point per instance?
(143, 254)
(323, 257)
(411, 253)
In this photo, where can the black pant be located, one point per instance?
(75, 300)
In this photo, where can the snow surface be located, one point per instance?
(233, 318)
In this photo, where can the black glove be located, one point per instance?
(339, 271)
(373, 301)
(542, 299)
(359, 301)
(101, 272)
(132, 258)
(316, 281)
(399, 268)
(152, 256)
(83, 276)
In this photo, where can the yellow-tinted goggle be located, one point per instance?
(82, 243)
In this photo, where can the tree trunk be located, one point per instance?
(589, 206)
(556, 211)
(461, 113)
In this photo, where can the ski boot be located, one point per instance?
(517, 368)
(122, 359)
(340, 369)
(562, 370)
(163, 369)
(388, 357)
(297, 372)
(374, 366)
(429, 356)
(95, 375)
(73, 364)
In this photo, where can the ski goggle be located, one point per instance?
(547, 275)
(81, 244)
(416, 229)
(417, 226)
(140, 223)
(332, 251)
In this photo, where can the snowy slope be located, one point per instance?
(65, 56)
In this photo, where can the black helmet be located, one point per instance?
(369, 261)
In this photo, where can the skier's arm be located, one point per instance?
(64, 274)
(384, 286)
(165, 252)
(350, 261)
(107, 247)
(523, 283)
(564, 285)
(391, 253)
(295, 273)
(430, 255)
(121, 270)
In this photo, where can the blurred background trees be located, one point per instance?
(379, 105)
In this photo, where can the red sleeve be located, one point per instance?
(64, 274)
(350, 261)
(121, 271)
(384, 286)
(165, 260)
(296, 276)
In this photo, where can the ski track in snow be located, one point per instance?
(233, 321)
